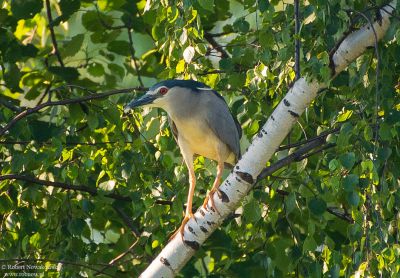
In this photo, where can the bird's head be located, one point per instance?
(164, 93)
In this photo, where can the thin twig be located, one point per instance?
(127, 220)
(132, 51)
(118, 258)
(52, 34)
(9, 105)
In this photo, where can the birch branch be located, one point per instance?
(177, 252)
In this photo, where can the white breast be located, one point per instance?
(202, 139)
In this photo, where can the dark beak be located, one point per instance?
(143, 100)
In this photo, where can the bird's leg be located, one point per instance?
(217, 183)
(188, 214)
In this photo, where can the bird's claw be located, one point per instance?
(210, 197)
(181, 229)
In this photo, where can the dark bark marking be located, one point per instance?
(164, 261)
(246, 177)
(223, 196)
(191, 230)
(286, 102)
(204, 230)
(272, 118)
(202, 212)
(294, 114)
(192, 244)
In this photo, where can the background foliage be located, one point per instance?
(334, 213)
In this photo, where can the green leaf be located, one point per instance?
(116, 69)
(353, 198)
(76, 226)
(43, 131)
(333, 164)
(93, 121)
(180, 67)
(317, 206)
(24, 9)
(96, 69)
(266, 38)
(384, 131)
(119, 47)
(226, 64)
(348, 160)
(91, 21)
(207, 4)
(350, 182)
(252, 211)
(67, 73)
(12, 77)
(290, 203)
(35, 240)
(112, 237)
(309, 244)
(241, 25)
(68, 8)
(344, 115)
(72, 46)
(5, 203)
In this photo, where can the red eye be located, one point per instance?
(163, 90)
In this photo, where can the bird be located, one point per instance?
(201, 124)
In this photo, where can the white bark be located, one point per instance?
(176, 253)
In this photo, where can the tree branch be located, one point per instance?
(92, 191)
(298, 155)
(127, 220)
(39, 107)
(118, 258)
(132, 51)
(216, 45)
(52, 34)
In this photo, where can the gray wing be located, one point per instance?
(223, 124)
(173, 128)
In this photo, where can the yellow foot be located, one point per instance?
(181, 229)
(210, 197)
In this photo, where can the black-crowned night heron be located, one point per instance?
(201, 123)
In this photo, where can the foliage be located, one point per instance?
(333, 214)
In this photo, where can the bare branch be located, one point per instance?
(52, 34)
(118, 258)
(216, 45)
(322, 135)
(132, 51)
(295, 156)
(128, 221)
